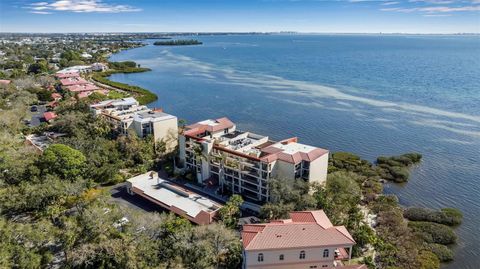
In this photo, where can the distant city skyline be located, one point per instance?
(308, 16)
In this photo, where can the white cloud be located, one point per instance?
(389, 3)
(436, 2)
(40, 12)
(80, 6)
(437, 15)
(433, 9)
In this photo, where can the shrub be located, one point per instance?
(427, 260)
(433, 232)
(446, 216)
(454, 215)
(400, 174)
(443, 253)
(395, 167)
(122, 65)
(145, 96)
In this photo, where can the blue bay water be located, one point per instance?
(371, 95)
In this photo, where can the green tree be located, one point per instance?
(230, 212)
(287, 195)
(38, 68)
(63, 161)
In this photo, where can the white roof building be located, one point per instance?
(195, 207)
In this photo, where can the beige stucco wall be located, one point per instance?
(313, 256)
(167, 131)
(319, 169)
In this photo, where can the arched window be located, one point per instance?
(281, 257)
(326, 253)
(260, 257)
(302, 255)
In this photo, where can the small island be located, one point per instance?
(184, 42)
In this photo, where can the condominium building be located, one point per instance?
(244, 162)
(306, 240)
(163, 127)
(127, 113)
(119, 112)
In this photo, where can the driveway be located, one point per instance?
(120, 197)
(37, 117)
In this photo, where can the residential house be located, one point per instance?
(49, 116)
(244, 162)
(306, 240)
(99, 67)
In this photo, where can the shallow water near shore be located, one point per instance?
(371, 95)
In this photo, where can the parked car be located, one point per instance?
(34, 109)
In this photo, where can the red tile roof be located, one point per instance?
(220, 124)
(82, 88)
(272, 153)
(67, 75)
(5, 81)
(73, 81)
(84, 94)
(49, 116)
(56, 95)
(304, 229)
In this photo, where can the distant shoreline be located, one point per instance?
(185, 42)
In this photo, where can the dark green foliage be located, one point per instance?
(63, 161)
(427, 260)
(122, 65)
(230, 212)
(22, 245)
(446, 216)
(384, 203)
(433, 232)
(396, 168)
(38, 68)
(443, 253)
(286, 196)
(143, 96)
(42, 94)
(177, 42)
(70, 55)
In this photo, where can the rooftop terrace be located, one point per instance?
(173, 197)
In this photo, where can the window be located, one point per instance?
(281, 257)
(260, 257)
(326, 253)
(302, 255)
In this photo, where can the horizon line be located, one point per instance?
(244, 32)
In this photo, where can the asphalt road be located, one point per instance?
(37, 117)
(120, 196)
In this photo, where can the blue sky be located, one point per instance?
(346, 16)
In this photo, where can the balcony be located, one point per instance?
(341, 254)
(250, 180)
(249, 187)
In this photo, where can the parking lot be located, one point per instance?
(37, 116)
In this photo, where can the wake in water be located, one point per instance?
(459, 123)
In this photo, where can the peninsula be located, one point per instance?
(183, 42)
